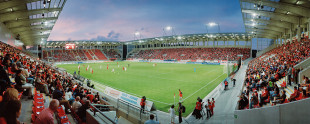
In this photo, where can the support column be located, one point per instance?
(204, 43)
(257, 44)
(308, 28)
(298, 33)
(291, 35)
(234, 43)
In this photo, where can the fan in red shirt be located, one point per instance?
(294, 95)
(142, 103)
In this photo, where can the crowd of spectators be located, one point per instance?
(194, 53)
(112, 53)
(79, 55)
(263, 72)
(20, 74)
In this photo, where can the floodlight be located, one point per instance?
(212, 24)
(179, 37)
(168, 28)
(254, 15)
(137, 33)
(253, 24)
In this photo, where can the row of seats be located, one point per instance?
(194, 53)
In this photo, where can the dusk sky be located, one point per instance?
(118, 20)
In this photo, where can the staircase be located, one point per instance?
(108, 58)
(89, 57)
(92, 54)
(100, 55)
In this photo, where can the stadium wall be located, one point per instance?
(265, 50)
(290, 113)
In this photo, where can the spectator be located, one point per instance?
(12, 111)
(243, 102)
(76, 105)
(24, 72)
(21, 84)
(294, 95)
(59, 95)
(213, 105)
(207, 106)
(142, 103)
(9, 95)
(82, 110)
(41, 85)
(254, 101)
(4, 79)
(281, 99)
(180, 111)
(46, 116)
(172, 114)
(151, 121)
(197, 111)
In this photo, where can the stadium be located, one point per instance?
(250, 66)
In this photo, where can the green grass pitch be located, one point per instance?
(158, 83)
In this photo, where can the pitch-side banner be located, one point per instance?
(127, 98)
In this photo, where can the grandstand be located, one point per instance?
(98, 82)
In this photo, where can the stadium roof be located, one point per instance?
(31, 21)
(274, 18)
(197, 37)
(83, 43)
(187, 37)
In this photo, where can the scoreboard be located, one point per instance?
(70, 46)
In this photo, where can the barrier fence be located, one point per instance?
(134, 110)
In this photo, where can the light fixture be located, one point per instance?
(254, 15)
(137, 33)
(212, 24)
(168, 28)
(298, 2)
(179, 37)
(253, 24)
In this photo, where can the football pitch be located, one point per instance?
(158, 83)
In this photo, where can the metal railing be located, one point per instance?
(133, 110)
(103, 107)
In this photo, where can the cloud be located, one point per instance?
(112, 36)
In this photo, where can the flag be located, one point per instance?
(87, 67)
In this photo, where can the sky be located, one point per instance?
(118, 20)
